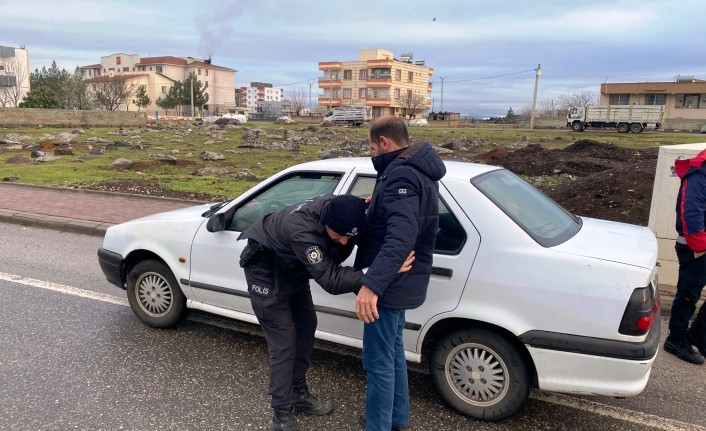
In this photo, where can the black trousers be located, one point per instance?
(691, 281)
(285, 310)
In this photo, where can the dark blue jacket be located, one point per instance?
(691, 201)
(403, 215)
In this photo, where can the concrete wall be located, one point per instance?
(683, 124)
(22, 117)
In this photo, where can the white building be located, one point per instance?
(259, 93)
(14, 75)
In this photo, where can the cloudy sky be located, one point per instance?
(485, 51)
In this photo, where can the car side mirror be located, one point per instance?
(216, 223)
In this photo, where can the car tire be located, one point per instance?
(623, 128)
(576, 126)
(155, 296)
(480, 373)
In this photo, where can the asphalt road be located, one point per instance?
(74, 357)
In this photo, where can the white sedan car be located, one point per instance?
(522, 294)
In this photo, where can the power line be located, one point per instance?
(295, 83)
(491, 77)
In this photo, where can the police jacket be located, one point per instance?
(297, 237)
(691, 202)
(403, 215)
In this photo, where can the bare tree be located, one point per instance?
(412, 104)
(13, 81)
(547, 108)
(584, 98)
(298, 99)
(111, 92)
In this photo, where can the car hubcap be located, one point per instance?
(153, 294)
(477, 374)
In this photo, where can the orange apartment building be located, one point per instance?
(376, 79)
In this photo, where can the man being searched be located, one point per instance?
(286, 249)
(691, 249)
(403, 215)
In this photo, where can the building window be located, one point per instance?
(199, 71)
(205, 84)
(398, 75)
(689, 101)
(619, 99)
(117, 61)
(363, 74)
(347, 93)
(410, 76)
(126, 69)
(362, 93)
(159, 69)
(206, 72)
(347, 74)
(409, 94)
(655, 99)
(164, 89)
(397, 93)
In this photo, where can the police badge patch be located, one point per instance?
(314, 254)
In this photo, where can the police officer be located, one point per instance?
(286, 249)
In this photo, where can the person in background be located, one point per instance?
(403, 215)
(690, 247)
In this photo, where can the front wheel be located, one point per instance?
(154, 295)
(577, 126)
(481, 374)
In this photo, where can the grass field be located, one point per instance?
(186, 141)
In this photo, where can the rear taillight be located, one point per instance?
(640, 312)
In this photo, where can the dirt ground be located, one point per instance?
(588, 178)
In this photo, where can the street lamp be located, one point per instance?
(534, 99)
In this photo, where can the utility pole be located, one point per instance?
(442, 96)
(330, 90)
(310, 95)
(192, 94)
(534, 99)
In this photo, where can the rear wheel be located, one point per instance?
(480, 373)
(623, 128)
(636, 128)
(154, 295)
(577, 126)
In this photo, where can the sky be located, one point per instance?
(486, 52)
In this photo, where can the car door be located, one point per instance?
(216, 277)
(457, 242)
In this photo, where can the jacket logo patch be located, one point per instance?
(401, 191)
(314, 254)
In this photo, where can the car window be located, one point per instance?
(291, 190)
(544, 220)
(450, 237)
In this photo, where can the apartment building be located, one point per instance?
(158, 74)
(378, 80)
(14, 75)
(684, 98)
(259, 93)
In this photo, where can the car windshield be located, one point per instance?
(544, 220)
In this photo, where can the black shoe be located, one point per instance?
(361, 420)
(309, 404)
(681, 348)
(698, 340)
(284, 420)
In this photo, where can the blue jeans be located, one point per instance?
(692, 277)
(387, 398)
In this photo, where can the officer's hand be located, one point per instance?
(366, 307)
(699, 254)
(367, 200)
(407, 265)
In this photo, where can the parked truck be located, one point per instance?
(624, 118)
(351, 115)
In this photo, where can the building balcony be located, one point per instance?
(326, 83)
(330, 101)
